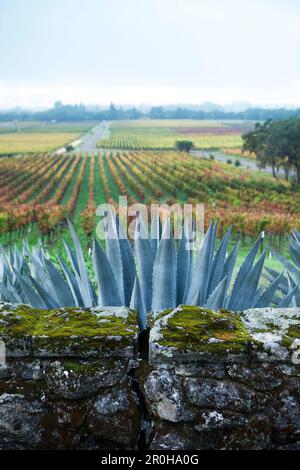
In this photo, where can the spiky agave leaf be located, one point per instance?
(145, 260)
(72, 283)
(294, 286)
(266, 297)
(244, 270)
(82, 277)
(45, 295)
(294, 248)
(248, 286)
(217, 297)
(59, 286)
(291, 268)
(108, 294)
(218, 265)
(285, 302)
(272, 274)
(156, 231)
(29, 294)
(129, 271)
(184, 260)
(164, 272)
(201, 270)
(137, 303)
(113, 252)
(290, 285)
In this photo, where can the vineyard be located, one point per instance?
(42, 190)
(162, 134)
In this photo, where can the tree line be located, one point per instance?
(79, 112)
(276, 144)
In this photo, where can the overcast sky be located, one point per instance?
(149, 51)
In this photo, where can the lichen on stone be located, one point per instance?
(276, 330)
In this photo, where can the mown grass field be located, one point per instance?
(29, 137)
(163, 134)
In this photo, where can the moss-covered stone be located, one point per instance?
(73, 379)
(190, 329)
(69, 331)
(292, 336)
(276, 330)
(198, 329)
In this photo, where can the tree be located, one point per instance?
(184, 145)
(276, 143)
(256, 142)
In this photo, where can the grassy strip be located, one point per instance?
(113, 187)
(99, 194)
(83, 196)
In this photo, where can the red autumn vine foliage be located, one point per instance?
(88, 215)
(44, 189)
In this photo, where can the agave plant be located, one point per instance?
(290, 283)
(152, 274)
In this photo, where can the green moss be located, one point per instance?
(57, 327)
(292, 334)
(71, 322)
(74, 366)
(20, 320)
(199, 329)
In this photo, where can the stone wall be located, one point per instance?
(67, 380)
(80, 379)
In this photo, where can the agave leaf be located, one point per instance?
(17, 260)
(137, 303)
(113, 252)
(218, 265)
(289, 266)
(83, 281)
(286, 300)
(7, 294)
(25, 248)
(127, 263)
(267, 297)
(217, 297)
(73, 286)
(248, 288)
(33, 298)
(16, 291)
(45, 296)
(156, 231)
(230, 263)
(294, 249)
(38, 271)
(108, 294)
(145, 259)
(72, 257)
(243, 271)
(207, 267)
(63, 294)
(271, 275)
(292, 284)
(5, 258)
(296, 235)
(164, 272)
(202, 268)
(183, 267)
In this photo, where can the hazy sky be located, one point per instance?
(149, 51)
